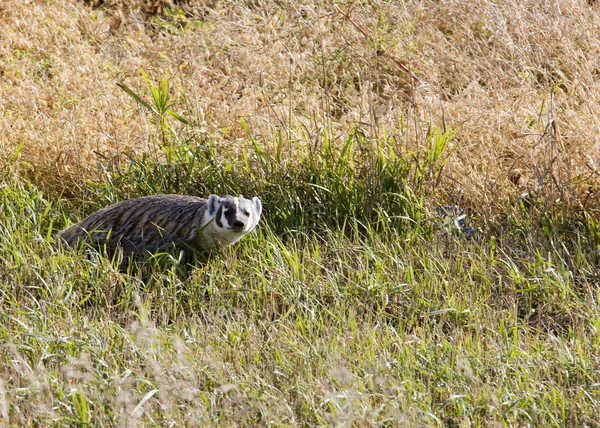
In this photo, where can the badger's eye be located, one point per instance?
(246, 213)
(227, 212)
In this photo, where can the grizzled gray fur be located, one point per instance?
(158, 223)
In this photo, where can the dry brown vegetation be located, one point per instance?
(517, 79)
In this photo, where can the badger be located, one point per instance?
(153, 224)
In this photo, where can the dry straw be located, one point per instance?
(517, 79)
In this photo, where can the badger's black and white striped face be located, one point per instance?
(234, 215)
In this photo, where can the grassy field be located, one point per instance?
(354, 303)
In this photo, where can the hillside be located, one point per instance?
(354, 302)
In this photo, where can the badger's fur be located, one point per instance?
(159, 223)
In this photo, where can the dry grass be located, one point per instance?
(498, 72)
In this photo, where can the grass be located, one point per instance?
(353, 303)
(370, 320)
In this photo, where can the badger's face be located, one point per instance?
(234, 215)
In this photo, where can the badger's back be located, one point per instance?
(146, 224)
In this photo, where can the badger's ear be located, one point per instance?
(257, 206)
(213, 205)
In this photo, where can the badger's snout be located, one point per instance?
(238, 224)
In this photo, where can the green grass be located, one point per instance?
(351, 304)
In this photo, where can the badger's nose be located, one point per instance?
(238, 224)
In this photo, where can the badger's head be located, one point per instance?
(234, 215)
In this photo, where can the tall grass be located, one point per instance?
(350, 305)
(317, 185)
(354, 302)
